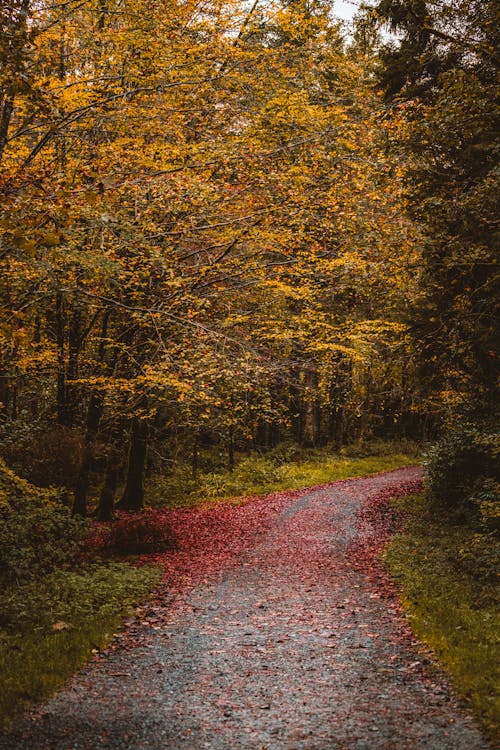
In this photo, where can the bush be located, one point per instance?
(459, 464)
(251, 474)
(379, 447)
(46, 457)
(37, 532)
(479, 557)
(447, 575)
(170, 489)
(486, 496)
(135, 534)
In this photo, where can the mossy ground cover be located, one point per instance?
(453, 605)
(285, 468)
(54, 608)
(50, 628)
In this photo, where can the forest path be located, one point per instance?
(294, 643)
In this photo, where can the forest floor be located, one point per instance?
(276, 628)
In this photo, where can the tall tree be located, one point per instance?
(198, 223)
(450, 133)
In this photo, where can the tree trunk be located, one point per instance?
(74, 348)
(310, 422)
(133, 496)
(83, 480)
(4, 396)
(94, 414)
(82, 483)
(5, 117)
(194, 464)
(61, 360)
(230, 450)
(107, 498)
(336, 427)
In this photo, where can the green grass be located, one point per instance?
(49, 628)
(278, 471)
(452, 604)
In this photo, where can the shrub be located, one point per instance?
(171, 489)
(45, 457)
(486, 496)
(37, 533)
(252, 474)
(135, 534)
(50, 627)
(459, 464)
(479, 557)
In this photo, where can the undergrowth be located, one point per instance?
(284, 468)
(53, 609)
(446, 571)
(50, 627)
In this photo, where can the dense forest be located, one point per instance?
(227, 227)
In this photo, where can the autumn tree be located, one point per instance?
(201, 230)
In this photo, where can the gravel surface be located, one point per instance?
(294, 642)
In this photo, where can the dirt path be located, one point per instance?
(291, 641)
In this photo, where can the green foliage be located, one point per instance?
(47, 456)
(49, 627)
(72, 596)
(37, 532)
(51, 615)
(446, 575)
(479, 556)
(463, 469)
(442, 78)
(252, 471)
(379, 448)
(486, 496)
(287, 466)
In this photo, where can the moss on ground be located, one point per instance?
(49, 628)
(278, 471)
(453, 606)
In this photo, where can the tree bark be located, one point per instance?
(74, 349)
(108, 492)
(94, 414)
(5, 118)
(83, 480)
(194, 464)
(310, 423)
(133, 496)
(61, 360)
(230, 450)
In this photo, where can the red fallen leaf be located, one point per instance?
(60, 625)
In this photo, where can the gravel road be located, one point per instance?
(292, 644)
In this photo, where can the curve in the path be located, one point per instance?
(291, 648)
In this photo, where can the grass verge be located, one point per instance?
(49, 628)
(278, 471)
(453, 606)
